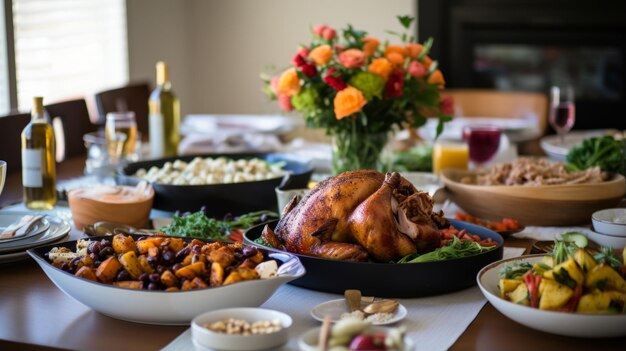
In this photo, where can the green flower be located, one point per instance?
(370, 84)
(305, 100)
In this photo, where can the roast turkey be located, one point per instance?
(359, 216)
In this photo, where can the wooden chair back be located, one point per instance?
(11, 142)
(74, 116)
(133, 97)
(494, 103)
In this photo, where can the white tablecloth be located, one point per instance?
(433, 323)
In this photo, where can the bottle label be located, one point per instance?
(157, 142)
(32, 176)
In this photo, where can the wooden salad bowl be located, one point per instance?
(546, 205)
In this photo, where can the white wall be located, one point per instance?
(218, 48)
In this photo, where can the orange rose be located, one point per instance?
(348, 101)
(395, 48)
(427, 61)
(381, 66)
(321, 54)
(352, 58)
(395, 58)
(436, 78)
(288, 83)
(413, 50)
(370, 45)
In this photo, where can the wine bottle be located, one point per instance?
(164, 119)
(38, 168)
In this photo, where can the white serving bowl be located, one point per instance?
(561, 323)
(616, 242)
(214, 340)
(605, 221)
(163, 307)
(308, 341)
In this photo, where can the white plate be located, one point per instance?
(516, 129)
(561, 323)
(6, 219)
(335, 308)
(237, 124)
(56, 230)
(22, 255)
(551, 144)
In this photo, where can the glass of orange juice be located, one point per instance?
(450, 154)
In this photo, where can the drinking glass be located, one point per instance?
(483, 142)
(449, 154)
(562, 112)
(3, 173)
(124, 123)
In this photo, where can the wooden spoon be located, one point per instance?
(322, 342)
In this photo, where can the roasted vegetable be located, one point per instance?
(123, 243)
(87, 273)
(107, 270)
(131, 264)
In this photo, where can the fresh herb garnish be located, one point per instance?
(606, 255)
(515, 270)
(605, 152)
(454, 248)
(198, 225)
(570, 242)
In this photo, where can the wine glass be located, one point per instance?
(562, 112)
(483, 142)
(124, 123)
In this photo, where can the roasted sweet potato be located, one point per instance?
(217, 274)
(241, 274)
(145, 265)
(224, 256)
(87, 273)
(123, 243)
(131, 263)
(191, 271)
(169, 279)
(108, 269)
(129, 284)
(176, 244)
(195, 283)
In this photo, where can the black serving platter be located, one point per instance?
(221, 199)
(390, 279)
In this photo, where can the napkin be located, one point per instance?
(20, 228)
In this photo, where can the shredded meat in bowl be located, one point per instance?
(534, 172)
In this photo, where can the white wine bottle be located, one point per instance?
(38, 168)
(164, 119)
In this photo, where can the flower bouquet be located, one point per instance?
(360, 90)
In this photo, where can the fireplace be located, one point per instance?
(528, 45)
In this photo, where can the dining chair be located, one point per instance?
(75, 121)
(11, 127)
(503, 104)
(133, 97)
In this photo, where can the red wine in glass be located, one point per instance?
(483, 142)
(562, 112)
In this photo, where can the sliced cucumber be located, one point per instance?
(579, 239)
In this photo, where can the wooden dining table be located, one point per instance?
(36, 315)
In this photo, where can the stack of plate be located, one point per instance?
(50, 229)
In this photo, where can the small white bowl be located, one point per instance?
(605, 221)
(308, 341)
(616, 242)
(214, 340)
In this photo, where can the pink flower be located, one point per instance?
(416, 69)
(329, 33)
(447, 105)
(335, 82)
(299, 58)
(284, 101)
(352, 58)
(319, 29)
(274, 83)
(395, 83)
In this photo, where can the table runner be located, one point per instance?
(433, 323)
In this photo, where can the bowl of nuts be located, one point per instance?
(221, 183)
(164, 280)
(241, 329)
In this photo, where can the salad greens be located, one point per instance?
(605, 152)
(198, 225)
(515, 270)
(416, 159)
(568, 244)
(454, 248)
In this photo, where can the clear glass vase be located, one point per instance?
(354, 150)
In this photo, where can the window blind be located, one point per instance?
(68, 48)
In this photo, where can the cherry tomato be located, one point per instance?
(365, 342)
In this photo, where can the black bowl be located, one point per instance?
(390, 279)
(221, 199)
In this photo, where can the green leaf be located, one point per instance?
(406, 21)
(427, 45)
